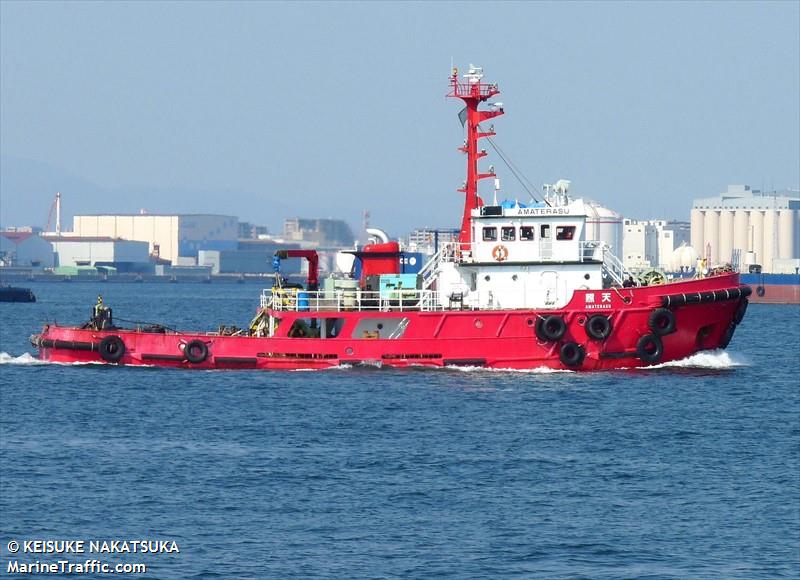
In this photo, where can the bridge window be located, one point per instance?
(544, 232)
(526, 233)
(508, 233)
(565, 232)
(490, 234)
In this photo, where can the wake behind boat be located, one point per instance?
(523, 287)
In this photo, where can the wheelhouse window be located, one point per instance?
(490, 234)
(565, 232)
(526, 233)
(508, 233)
(544, 232)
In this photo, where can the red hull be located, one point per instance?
(777, 294)
(503, 339)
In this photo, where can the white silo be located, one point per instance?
(698, 226)
(741, 231)
(604, 224)
(770, 238)
(787, 243)
(711, 235)
(725, 236)
(757, 233)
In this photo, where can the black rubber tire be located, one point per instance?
(728, 336)
(111, 349)
(550, 328)
(598, 327)
(650, 349)
(661, 321)
(572, 354)
(740, 311)
(195, 351)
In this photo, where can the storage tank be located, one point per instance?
(711, 236)
(698, 237)
(757, 233)
(787, 232)
(725, 236)
(741, 231)
(605, 225)
(683, 258)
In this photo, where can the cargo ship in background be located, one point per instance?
(522, 287)
(773, 288)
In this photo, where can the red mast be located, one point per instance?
(473, 92)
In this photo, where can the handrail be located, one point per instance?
(294, 300)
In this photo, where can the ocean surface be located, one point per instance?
(689, 470)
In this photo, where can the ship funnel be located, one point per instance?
(380, 234)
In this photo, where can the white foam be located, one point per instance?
(23, 359)
(30, 360)
(537, 370)
(710, 359)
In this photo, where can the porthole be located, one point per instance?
(514, 277)
(530, 322)
(348, 350)
(380, 326)
(478, 323)
(487, 277)
(586, 276)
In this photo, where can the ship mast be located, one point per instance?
(473, 92)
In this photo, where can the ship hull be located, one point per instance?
(703, 317)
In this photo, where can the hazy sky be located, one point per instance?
(331, 108)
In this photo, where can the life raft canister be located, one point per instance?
(195, 351)
(500, 253)
(550, 328)
(111, 349)
(598, 327)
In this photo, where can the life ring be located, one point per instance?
(598, 327)
(572, 354)
(726, 338)
(550, 328)
(195, 351)
(500, 253)
(661, 321)
(738, 316)
(111, 349)
(650, 349)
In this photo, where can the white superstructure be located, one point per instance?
(524, 257)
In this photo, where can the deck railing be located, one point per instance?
(295, 300)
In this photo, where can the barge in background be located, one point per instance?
(522, 288)
(774, 288)
(14, 294)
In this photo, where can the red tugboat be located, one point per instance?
(522, 288)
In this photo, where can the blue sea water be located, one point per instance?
(691, 470)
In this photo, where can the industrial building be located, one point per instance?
(748, 227)
(122, 255)
(651, 243)
(318, 232)
(22, 247)
(175, 237)
(429, 240)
